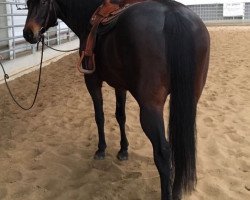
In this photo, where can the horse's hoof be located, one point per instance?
(177, 196)
(122, 155)
(99, 155)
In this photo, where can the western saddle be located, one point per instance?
(104, 15)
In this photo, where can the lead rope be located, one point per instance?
(6, 76)
(64, 51)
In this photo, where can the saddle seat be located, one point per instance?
(106, 15)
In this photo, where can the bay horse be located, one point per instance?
(157, 48)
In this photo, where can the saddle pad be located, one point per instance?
(110, 22)
(104, 29)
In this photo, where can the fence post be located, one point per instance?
(4, 32)
(13, 33)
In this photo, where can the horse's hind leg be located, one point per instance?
(94, 87)
(153, 125)
(121, 119)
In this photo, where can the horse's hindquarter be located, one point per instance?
(183, 21)
(135, 47)
(201, 40)
(133, 55)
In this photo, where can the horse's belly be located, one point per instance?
(114, 78)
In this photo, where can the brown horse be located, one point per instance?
(157, 48)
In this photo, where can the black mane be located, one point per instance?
(80, 21)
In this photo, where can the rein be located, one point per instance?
(6, 76)
(63, 51)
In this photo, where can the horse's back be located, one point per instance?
(150, 21)
(152, 14)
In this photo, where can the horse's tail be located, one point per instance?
(180, 52)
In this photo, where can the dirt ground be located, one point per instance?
(47, 153)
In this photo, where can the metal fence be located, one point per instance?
(247, 11)
(12, 43)
(214, 13)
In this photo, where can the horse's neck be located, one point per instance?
(76, 14)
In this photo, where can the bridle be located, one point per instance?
(45, 27)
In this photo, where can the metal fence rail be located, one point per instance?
(214, 13)
(12, 44)
(247, 11)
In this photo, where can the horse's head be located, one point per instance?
(41, 16)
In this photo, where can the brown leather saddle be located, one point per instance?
(104, 15)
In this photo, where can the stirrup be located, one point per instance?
(86, 71)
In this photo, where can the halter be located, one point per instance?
(45, 27)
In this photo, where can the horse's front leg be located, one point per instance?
(121, 119)
(94, 85)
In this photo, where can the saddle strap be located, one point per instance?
(100, 14)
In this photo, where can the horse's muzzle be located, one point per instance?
(31, 37)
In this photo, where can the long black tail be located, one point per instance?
(180, 51)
